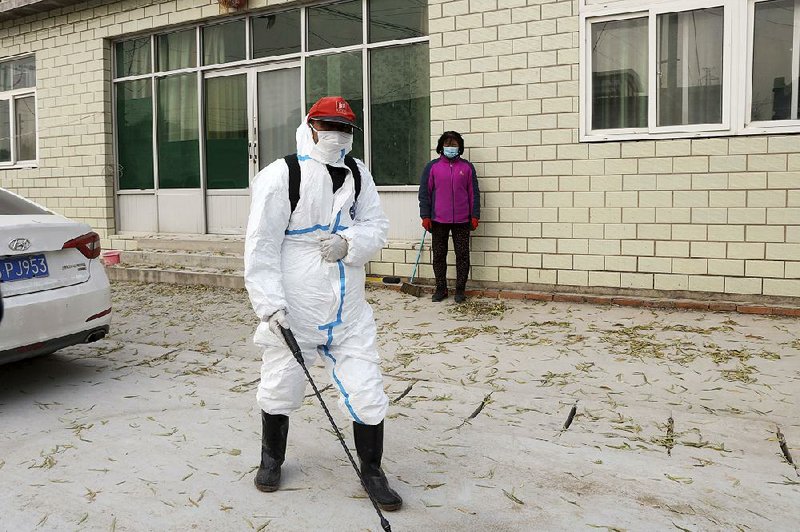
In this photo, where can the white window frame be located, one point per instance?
(770, 126)
(364, 47)
(11, 96)
(593, 12)
(586, 84)
(684, 6)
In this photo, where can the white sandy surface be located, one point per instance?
(156, 427)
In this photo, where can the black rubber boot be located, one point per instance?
(369, 446)
(439, 295)
(460, 297)
(274, 430)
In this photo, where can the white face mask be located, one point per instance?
(332, 146)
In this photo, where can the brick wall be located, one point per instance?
(75, 174)
(707, 215)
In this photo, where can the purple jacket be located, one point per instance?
(448, 191)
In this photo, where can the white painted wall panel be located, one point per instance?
(227, 215)
(137, 213)
(181, 211)
(402, 208)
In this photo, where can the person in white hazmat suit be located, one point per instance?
(304, 270)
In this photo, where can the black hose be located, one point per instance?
(291, 342)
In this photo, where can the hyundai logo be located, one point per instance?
(19, 244)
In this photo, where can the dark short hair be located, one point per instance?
(450, 135)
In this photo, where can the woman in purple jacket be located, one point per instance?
(449, 202)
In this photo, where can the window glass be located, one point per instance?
(338, 75)
(14, 205)
(279, 113)
(135, 134)
(133, 57)
(690, 67)
(226, 132)
(24, 73)
(18, 112)
(400, 113)
(336, 25)
(6, 75)
(390, 19)
(5, 131)
(25, 138)
(619, 74)
(178, 138)
(276, 34)
(177, 50)
(224, 43)
(772, 60)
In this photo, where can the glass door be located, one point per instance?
(226, 132)
(250, 118)
(278, 99)
(179, 194)
(227, 153)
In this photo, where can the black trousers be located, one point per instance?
(440, 236)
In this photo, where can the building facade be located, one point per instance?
(639, 145)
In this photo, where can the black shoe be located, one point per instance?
(439, 295)
(460, 297)
(369, 446)
(274, 431)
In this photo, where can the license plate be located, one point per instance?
(20, 268)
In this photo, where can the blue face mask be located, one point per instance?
(450, 152)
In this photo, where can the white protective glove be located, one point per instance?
(334, 247)
(278, 318)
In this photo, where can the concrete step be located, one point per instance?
(179, 260)
(184, 259)
(194, 275)
(232, 245)
(186, 276)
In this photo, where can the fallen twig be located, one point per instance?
(670, 439)
(480, 406)
(571, 416)
(785, 449)
(476, 412)
(325, 389)
(405, 392)
(246, 386)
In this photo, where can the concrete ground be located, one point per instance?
(156, 428)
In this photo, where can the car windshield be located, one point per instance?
(11, 204)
